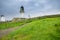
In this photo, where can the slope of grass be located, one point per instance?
(5, 25)
(43, 29)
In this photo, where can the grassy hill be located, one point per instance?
(20, 21)
(5, 25)
(41, 29)
(14, 23)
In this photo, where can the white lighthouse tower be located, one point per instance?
(22, 12)
(2, 18)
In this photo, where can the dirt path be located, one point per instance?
(7, 31)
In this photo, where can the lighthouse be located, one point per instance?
(22, 12)
(2, 18)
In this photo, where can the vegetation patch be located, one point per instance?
(43, 29)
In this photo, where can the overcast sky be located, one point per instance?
(11, 8)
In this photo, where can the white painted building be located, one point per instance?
(22, 12)
(2, 18)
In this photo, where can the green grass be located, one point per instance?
(43, 29)
(5, 25)
(9, 25)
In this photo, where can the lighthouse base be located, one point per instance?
(22, 15)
